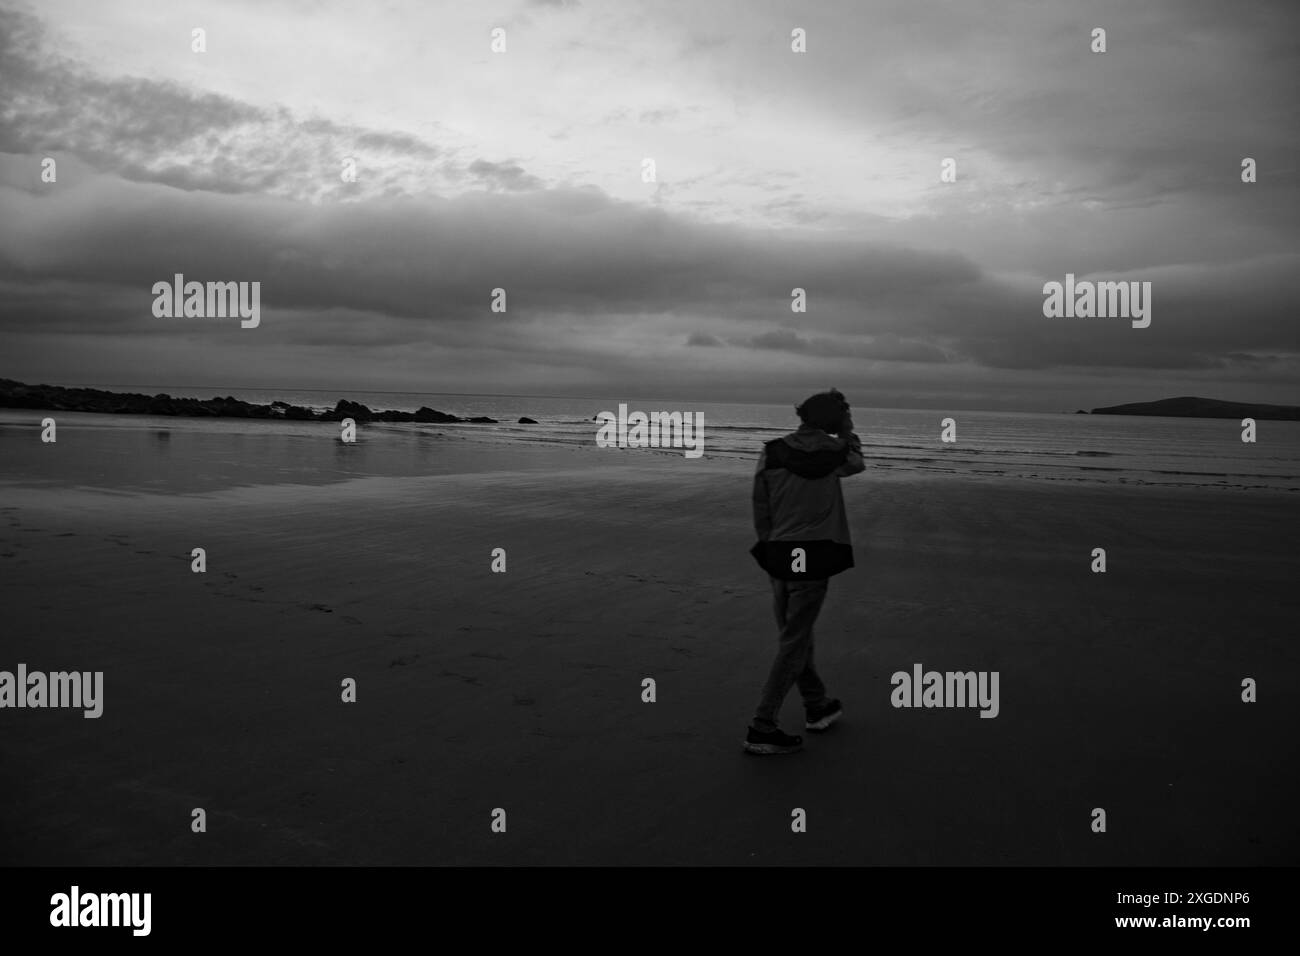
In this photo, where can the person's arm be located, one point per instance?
(853, 464)
(762, 506)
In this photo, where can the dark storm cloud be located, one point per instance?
(554, 250)
(783, 340)
(581, 255)
(158, 131)
(506, 176)
(703, 339)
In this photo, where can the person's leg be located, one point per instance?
(802, 601)
(809, 682)
(779, 602)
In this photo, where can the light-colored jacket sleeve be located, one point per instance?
(853, 464)
(762, 505)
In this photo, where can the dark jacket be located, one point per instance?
(798, 504)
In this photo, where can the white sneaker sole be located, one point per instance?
(824, 722)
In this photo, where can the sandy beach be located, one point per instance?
(522, 690)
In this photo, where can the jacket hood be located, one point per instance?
(808, 453)
(813, 439)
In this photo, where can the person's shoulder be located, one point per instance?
(779, 444)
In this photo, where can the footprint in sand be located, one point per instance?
(676, 735)
(686, 651)
(466, 678)
(317, 607)
(403, 661)
(491, 657)
(67, 534)
(350, 619)
(524, 701)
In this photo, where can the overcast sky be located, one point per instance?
(774, 169)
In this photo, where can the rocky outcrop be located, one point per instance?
(353, 410)
(56, 398)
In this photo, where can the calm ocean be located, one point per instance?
(1094, 448)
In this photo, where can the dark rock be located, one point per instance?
(527, 421)
(353, 410)
(426, 414)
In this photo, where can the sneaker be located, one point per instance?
(820, 718)
(772, 742)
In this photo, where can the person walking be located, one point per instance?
(803, 541)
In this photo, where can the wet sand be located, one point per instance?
(522, 690)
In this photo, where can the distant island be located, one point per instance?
(57, 398)
(1190, 407)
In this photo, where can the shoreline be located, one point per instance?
(164, 453)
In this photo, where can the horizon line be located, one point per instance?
(583, 398)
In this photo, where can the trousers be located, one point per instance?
(797, 604)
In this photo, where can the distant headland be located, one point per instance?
(57, 398)
(1190, 407)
